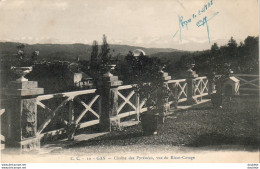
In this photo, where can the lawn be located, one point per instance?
(235, 126)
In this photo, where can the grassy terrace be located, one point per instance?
(235, 127)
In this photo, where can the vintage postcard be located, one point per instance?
(129, 81)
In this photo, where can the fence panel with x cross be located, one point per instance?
(200, 87)
(178, 90)
(57, 111)
(249, 84)
(129, 102)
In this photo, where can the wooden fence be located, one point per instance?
(200, 87)
(179, 90)
(129, 102)
(249, 84)
(54, 113)
(69, 114)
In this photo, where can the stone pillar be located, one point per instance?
(107, 88)
(190, 75)
(21, 111)
(163, 106)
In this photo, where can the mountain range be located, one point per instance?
(83, 51)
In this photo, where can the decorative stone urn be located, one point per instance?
(109, 68)
(21, 71)
(190, 72)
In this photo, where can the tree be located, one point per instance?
(99, 61)
(214, 59)
(35, 55)
(186, 61)
(94, 52)
(250, 57)
(232, 50)
(214, 49)
(105, 51)
(21, 53)
(94, 60)
(232, 43)
(127, 68)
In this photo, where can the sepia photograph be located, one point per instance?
(129, 81)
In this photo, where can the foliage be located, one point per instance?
(54, 77)
(94, 60)
(100, 61)
(145, 73)
(242, 58)
(22, 60)
(105, 52)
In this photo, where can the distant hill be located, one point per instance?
(170, 56)
(83, 51)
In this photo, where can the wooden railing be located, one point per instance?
(57, 114)
(200, 87)
(129, 103)
(248, 83)
(66, 111)
(39, 117)
(178, 91)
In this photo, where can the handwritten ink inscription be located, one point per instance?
(184, 23)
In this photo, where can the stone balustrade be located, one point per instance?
(31, 119)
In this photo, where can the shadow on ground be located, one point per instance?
(110, 139)
(218, 139)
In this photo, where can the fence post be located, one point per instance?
(21, 111)
(107, 88)
(190, 75)
(137, 103)
(71, 123)
(163, 106)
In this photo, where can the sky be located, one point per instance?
(146, 23)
